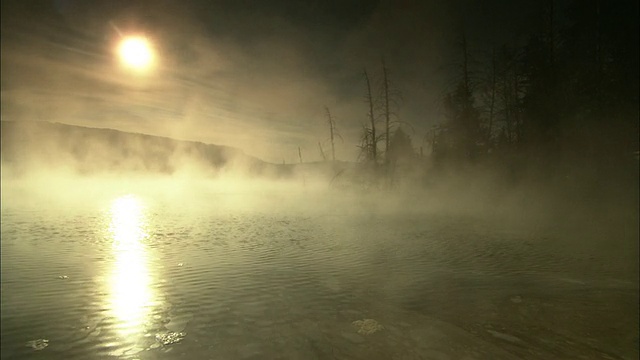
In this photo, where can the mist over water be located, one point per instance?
(148, 266)
(118, 245)
(233, 196)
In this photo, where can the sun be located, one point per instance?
(136, 53)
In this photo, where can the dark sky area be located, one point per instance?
(250, 74)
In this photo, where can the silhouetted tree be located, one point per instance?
(401, 156)
(460, 136)
(324, 157)
(600, 67)
(333, 134)
(400, 147)
(511, 89)
(366, 146)
(489, 98)
(571, 92)
(542, 102)
(370, 132)
(389, 96)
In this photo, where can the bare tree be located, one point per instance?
(462, 129)
(509, 92)
(389, 99)
(333, 133)
(365, 145)
(370, 133)
(492, 94)
(324, 157)
(304, 178)
(387, 114)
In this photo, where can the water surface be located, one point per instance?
(134, 278)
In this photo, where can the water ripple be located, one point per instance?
(243, 285)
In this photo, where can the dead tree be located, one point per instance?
(387, 113)
(324, 157)
(372, 135)
(492, 97)
(366, 148)
(389, 98)
(304, 178)
(333, 133)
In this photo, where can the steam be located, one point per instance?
(261, 88)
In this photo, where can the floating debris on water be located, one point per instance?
(63, 277)
(38, 344)
(367, 326)
(170, 337)
(180, 264)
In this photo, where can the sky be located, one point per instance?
(255, 75)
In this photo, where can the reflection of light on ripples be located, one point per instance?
(130, 284)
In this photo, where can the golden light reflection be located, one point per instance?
(131, 294)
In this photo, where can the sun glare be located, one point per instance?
(136, 52)
(131, 280)
(127, 222)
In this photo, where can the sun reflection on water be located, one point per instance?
(131, 294)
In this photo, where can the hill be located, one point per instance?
(34, 144)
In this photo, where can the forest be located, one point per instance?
(562, 104)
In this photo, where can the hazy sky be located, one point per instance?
(250, 74)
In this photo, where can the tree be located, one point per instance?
(324, 157)
(366, 145)
(400, 148)
(462, 127)
(386, 111)
(489, 98)
(389, 97)
(599, 65)
(333, 133)
(370, 132)
(542, 104)
(401, 156)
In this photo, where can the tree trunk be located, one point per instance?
(331, 128)
(324, 157)
(492, 103)
(374, 145)
(387, 115)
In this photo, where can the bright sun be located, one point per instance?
(136, 52)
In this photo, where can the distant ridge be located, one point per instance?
(89, 150)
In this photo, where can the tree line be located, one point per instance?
(571, 91)
(567, 92)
